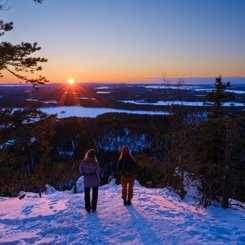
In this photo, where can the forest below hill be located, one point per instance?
(37, 149)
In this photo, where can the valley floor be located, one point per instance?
(156, 216)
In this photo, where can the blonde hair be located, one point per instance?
(91, 155)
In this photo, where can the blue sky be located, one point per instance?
(131, 40)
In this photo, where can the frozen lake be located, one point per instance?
(79, 111)
(176, 102)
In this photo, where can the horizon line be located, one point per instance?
(172, 80)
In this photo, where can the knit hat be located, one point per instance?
(125, 149)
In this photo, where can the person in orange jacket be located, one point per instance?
(128, 168)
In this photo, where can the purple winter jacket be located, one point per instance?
(91, 173)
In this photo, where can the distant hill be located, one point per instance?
(198, 80)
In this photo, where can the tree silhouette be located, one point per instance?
(18, 59)
(219, 96)
(217, 143)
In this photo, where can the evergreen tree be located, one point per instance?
(214, 145)
(218, 97)
(17, 59)
(20, 128)
(26, 143)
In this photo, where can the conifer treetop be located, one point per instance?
(18, 59)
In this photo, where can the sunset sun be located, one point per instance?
(71, 81)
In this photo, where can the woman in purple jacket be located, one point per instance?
(90, 169)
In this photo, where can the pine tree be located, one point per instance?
(17, 59)
(31, 134)
(214, 145)
(218, 97)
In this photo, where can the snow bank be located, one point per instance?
(50, 189)
(80, 185)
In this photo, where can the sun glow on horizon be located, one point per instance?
(71, 81)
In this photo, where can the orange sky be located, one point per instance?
(103, 74)
(116, 41)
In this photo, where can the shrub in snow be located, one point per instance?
(80, 185)
(21, 195)
(112, 184)
(190, 185)
(50, 189)
(137, 184)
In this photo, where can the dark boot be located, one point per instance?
(95, 198)
(125, 202)
(87, 199)
(129, 202)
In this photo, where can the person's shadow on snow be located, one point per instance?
(95, 229)
(143, 227)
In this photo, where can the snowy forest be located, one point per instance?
(37, 149)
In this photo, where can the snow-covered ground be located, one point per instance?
(157, 216)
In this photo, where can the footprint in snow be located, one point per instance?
(27, 210)
(194, 232)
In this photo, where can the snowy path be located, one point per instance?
(156, 217)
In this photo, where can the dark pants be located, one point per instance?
(94, 198)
